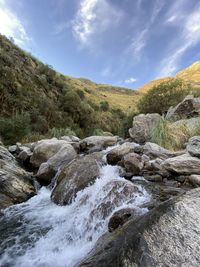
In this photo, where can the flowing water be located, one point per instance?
(41, 234)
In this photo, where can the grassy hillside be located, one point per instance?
(190, 74)
(36, 100)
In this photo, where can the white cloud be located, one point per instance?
(140, 40)
(130, 80)
(11, 26)
(187, 37)
(94, 17)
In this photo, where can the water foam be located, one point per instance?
(40, 233)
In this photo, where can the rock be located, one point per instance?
(75, 177)
(194, 180)
(13, 149)
(184, 164)
(189, 107)
(25, 155)
(119, 218)
(153, 178)
(45, 149)
(154, 151)
(133, 163)
(168, 235)
(116, 154)
(193, 146)
(16, 184)
(142, 127)
(97, 142)
(66, 138)
(153, 167)
(48, 169)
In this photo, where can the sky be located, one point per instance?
(120, 42)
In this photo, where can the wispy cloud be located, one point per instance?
(139, 41)
(94, 17)
(130, 80)
(11, 26)
(188, 36)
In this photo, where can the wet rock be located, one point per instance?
(75, 177)
(116, 154)
(119, 218)
(189, 107)
(168, 235)
(152, 167)
(16, 185)
(142, 127)
(153, 178)
(97, 142)
(25, 155)
(133, 163)
(184, 164)
(45, 149)
(181, 178)
(193, 146)
(48, 169)
(194, 180)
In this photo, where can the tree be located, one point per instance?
(161, 97)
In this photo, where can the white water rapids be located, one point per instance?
(41, 234)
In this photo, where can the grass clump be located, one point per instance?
(170, 136)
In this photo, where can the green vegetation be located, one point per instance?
(36, 101)
(169, 135)
(161, 97)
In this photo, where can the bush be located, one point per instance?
(59, 132)
(13, 129)
(160, 98)
(104, 106)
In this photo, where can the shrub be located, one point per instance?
(14, 128)
(59, 132)
(104, 105)
(161, 97)
(99, 132)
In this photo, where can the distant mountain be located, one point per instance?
(191, 74)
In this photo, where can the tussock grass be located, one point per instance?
(170, 136)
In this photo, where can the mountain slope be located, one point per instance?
(190, 74)
(36, 100)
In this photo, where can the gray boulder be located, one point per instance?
(98, 142)
(142, 127)
(45, 149)
(48, 169)
(75, 177)
(184, 164)
(189, 107)
(16, 184)
(194, 180)
(133, 163)
(168, 235)
(193, 146)
(116, 154)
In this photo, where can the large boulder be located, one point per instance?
(184, 164)
(142, 127)
(16, 185)
(48, 169)
(133, 163)
(194, 179)
(45, 149)
(116, 154)
(75, 177)
(193, 146)
(189, 107)
(168, 235)
(97, 142)
(154, 151)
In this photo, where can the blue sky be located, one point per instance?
(119, 42)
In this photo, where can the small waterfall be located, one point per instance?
(39, 233)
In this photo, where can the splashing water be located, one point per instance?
(41, 234)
